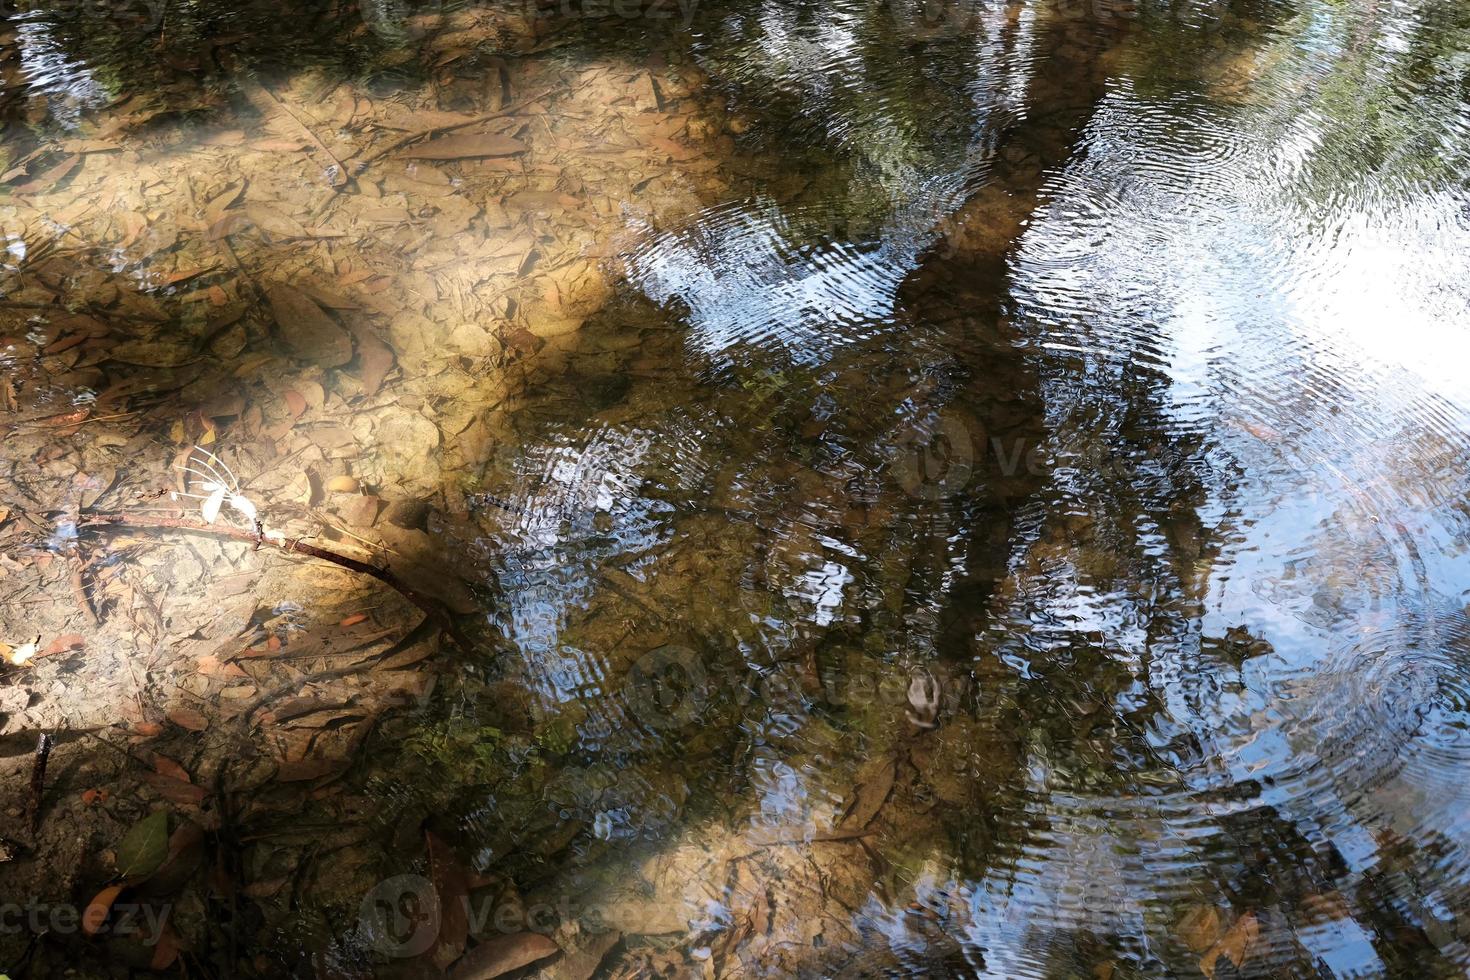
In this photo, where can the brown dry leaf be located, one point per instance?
(503, 954)
(307, 329)
(551, 202)
(211, 666)
(165, 766)
(47, 179)
(63, 643)
(465, 146)
(300, 770)
(175, 790)
(99, 908)
(223, 201)
(296, 707)
(274, 223)
(360, 510)
(228, 224)
(163, 352)
(1200, 927)
(1235, 945)
(582, 964)
(224, 405)
(187, 718)
(265, 888)
(870, 794)
(166, 951)
(451, 883)
(295, 402)
(376, 360)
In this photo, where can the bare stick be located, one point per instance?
(38, 778)
(430, 606)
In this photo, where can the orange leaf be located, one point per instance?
(99, 908)
(1235, 945)
(67, 641)
(166, 951)
(187, 718)
(176, 790)
(354, 619)
(163, 765)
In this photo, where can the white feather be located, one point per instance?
(212, 505)
(243, 505)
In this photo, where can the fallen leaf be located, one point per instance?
(187, 718)
(296, 707)
(166, 951)
(223, 201)
(465, 146)
(301, 770)
(1200, 927)
(375, 359)
(503, 954)
(870, 794)
(353, 620)
(185, 852)
(264, 888)
(49, 178)
(211, 666)
(67, 641)
(99, 908)
(144, 847)
(452, 886)
(306, 328)
(583, 964)
(274, 223)
(1235, 946)
(165, 766)
(176, 790)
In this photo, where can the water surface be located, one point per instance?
(989, 502)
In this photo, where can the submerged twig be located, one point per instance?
(428, 604)
(38, 778)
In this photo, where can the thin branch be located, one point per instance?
(431, 607)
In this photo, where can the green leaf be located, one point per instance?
(143, 849)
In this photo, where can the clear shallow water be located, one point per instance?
(1054, 419)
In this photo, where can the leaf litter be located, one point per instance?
(337, 294)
